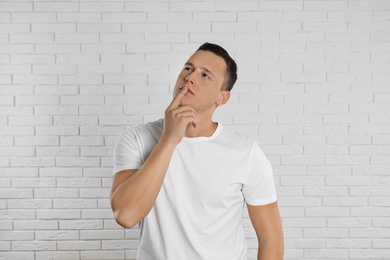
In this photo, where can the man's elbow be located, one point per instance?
(124, 219)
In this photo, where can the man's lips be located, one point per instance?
(189, 90)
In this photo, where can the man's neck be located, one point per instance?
(202, 129)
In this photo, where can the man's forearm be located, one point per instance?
(271, 250)
(133, 199)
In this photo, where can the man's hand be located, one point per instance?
(178, 118)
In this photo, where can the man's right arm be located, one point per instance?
(134, 191)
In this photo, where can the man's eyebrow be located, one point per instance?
(203, 68)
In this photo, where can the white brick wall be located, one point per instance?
(313, 90)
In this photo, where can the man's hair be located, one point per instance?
(231, 66)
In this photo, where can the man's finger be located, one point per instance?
(176, 101)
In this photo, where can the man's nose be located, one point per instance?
(190, 79)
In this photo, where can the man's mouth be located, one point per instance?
(189, 91)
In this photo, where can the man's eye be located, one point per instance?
(187, 68)
(206, 76)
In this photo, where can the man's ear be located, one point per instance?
(223, 98)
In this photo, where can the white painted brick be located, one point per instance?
(237, 6)
(24, 120)
(102, 234)
(123, 17)
(57, 48)
(58, 152)
(9, 6)
(214, 16)
(110, 255)
(36, 38)
(166, 37)
(14, 28)
(304, 222)
(15, 193)
(112, 89)
(284, 26)
(97, 213)
(233, 27)
(56, 193)
(78, 245)
(304, 16)
(211, 37)
(125, 79)
(98, 172)
(16, 48)
(147, 7)
(33, 245)
(32, 58)
(149, 27)
(29, 204)
(56, 235)
(380, 243)
(17, 255)
(77, 38)
(80, 79)
(101, 7)
(257, 37)
(81, 224)
(56, 130)
(98, 27)
(119, 244)
(74, 203)
(36, 17)
(78, 17)
(34, 79)
(5, 246)
(33, 182)
(103, 48)
(60, 255)
(257, 16)
(53, 28)
(101, 130)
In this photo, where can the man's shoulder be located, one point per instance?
(147, 130)
(237, 138)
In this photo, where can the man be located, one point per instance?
(185, 178)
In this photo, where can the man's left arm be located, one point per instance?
(267, 224)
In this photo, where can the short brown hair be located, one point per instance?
(231, 66)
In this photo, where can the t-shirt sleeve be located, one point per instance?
(127, 154)
(259, 188)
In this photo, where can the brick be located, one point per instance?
(29, 204)
(16, 193)
(28, 38)
(304, 15)
(33, 245)
(55, 193)
(78, 17)
(147, 7)
(237, 6)
(101, 7)
(56, 235)
(84, 38)
(17, 255)
(65, 255)
(102, 234)
(78, 245)
(111, 255)
(81, 224)
(123, 17)
(148, 27)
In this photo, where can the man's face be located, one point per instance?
(204, 73)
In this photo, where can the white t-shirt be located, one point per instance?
(197, 214)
